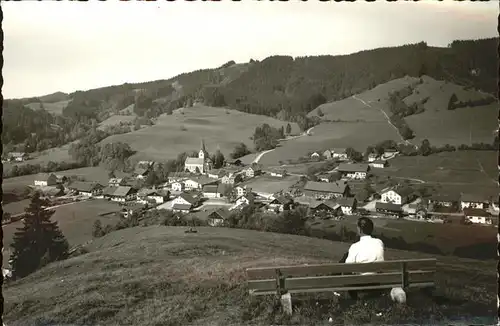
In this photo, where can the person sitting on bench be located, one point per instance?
(367, 250)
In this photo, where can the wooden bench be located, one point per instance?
(286, 280)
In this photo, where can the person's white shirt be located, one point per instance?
(366, 250)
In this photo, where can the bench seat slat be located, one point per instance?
(325, 269)
(301, 283)
(346, 288)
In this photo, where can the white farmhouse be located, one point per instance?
(398, 195)
(45, 179)
(353, 171)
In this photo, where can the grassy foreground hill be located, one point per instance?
(163, 276)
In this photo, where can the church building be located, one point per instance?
(200, 164)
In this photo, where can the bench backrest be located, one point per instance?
(321, 277)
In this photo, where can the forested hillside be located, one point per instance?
(279, 86)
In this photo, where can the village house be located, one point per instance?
(212, 191)
(328, 155)
(339, 154)
(389, 209)
(347, 204)
(45, 179)
(372, 157)
(229, 179)
(184, 203)
(379, 164)
(253, 170)
(61, 179)
(325, 210)
(277, 172)
(154, 196)
(444, 200)
(116, 182)
(477, 216)
(241, 191)
(200, 164)
(218, 216)
(18, 156)
(178, 186)
(198, 183)
(473, 201)
(247, 199)
(398, 195)
(88, 189)
(280, 204)
(216, 173)
(140, 173)
(315, 155)
(353, 170)
(326, 190)
(179, 176)
(122, 194)
(323, 177)
(235, 162)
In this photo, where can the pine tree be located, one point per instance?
(39, 241)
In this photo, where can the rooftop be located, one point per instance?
(334, 187)
(388, 206)
(353, 167)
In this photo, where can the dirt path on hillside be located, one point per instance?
(386, 116)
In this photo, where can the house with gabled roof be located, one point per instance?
(45, 179)
(444, 200)
(88, 189)
(339, 153)
(477, 216)
(218, 216)
(123, 194)
(398, 195)
(18, 156)
(355, 171)
(379, 164)
(247, 199)
(141, 172)
(326, 190)
(373, 157)
(198, 183)
(146, 195)
(325, 209)
(179, 176)
(315, 155)
(186, 198)
(468, 200)
(328, 154)
(234, 162)
(253, 170)
(178, 186)
(216, 173)
(278, 172)
(212, 190)
(280, 204)
(347, 204)
(115, 182)
(389, 209)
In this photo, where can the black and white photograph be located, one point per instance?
(250, 162)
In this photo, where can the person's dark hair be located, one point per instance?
(365, 225)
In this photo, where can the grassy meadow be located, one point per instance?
(163, 276)
(54, 108)
(75, 221)
(269, 184)
(184, 130)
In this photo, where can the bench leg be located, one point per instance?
(286, 303)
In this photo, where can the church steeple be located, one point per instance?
(203, 152)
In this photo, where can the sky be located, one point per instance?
(67, 46)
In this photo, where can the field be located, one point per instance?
(75, 221)
(459, 167)
(358, 135)
(184, 130)
(163, 276)
(446, 237)
(460, 126)
(54, 108)
(270, 185)
(97, 174)
(116, 120)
